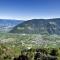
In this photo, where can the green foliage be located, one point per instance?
(11, 45)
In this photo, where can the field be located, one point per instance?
(11, 45)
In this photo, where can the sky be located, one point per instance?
(29, 9)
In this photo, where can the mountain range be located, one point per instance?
(38, 26)
(7, 24)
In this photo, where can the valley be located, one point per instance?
(11, 44)
(27, 36)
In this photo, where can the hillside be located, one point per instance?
(38, 26)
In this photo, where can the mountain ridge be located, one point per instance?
(38, 26)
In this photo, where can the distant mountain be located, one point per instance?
(6, 24)
(38, 26)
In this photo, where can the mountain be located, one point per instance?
(6, 24)
(38, 26)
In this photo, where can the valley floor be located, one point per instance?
(14, 45)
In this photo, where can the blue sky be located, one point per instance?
(29, 9)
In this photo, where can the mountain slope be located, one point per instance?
(38, 26)
(6, 24)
